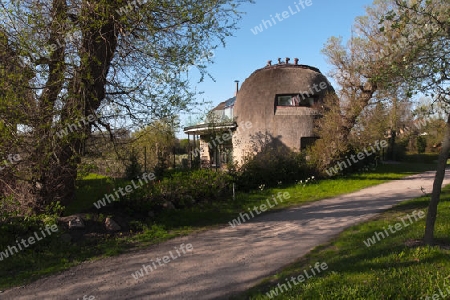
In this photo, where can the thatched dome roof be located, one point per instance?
(264, 84)
(258, 102)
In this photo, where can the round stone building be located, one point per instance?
(276, 106)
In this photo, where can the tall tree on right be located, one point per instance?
(398, 48)
(427, 69)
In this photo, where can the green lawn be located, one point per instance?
(396, 267)
(90, 189)
(52, 255)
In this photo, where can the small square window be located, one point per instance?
(306, 142)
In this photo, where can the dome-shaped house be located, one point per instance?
(275, 105)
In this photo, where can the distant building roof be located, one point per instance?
(221, 106)
(225, 104)
(230, 102)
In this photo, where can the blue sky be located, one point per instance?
(301, 34)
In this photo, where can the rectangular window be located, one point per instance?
(285, 101)
(295, 100)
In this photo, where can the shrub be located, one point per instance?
(9, 207)
(400, 149)
(182, 189)
(363, 164)
(199, 186)
(421, 144)
(85, 168)
(270, 167)
(133, 169)
(348, 162)
(425, 158)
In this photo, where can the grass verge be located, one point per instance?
(396, 267)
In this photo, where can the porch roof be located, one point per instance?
(201, 129)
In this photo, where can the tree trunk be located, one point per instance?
(57, 172)
(437, 186)
(43, 160)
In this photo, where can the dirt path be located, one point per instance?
(227, 260)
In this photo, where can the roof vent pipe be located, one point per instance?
(237, 87)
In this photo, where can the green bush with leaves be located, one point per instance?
(271, 168)
(421, 144)
(400, 149)
(182, 190)
(134, 168)
(188, 189)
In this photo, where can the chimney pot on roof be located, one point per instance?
(287, 60)
(269, 63)
(237, 87)
(296, 61)
(279, 60)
